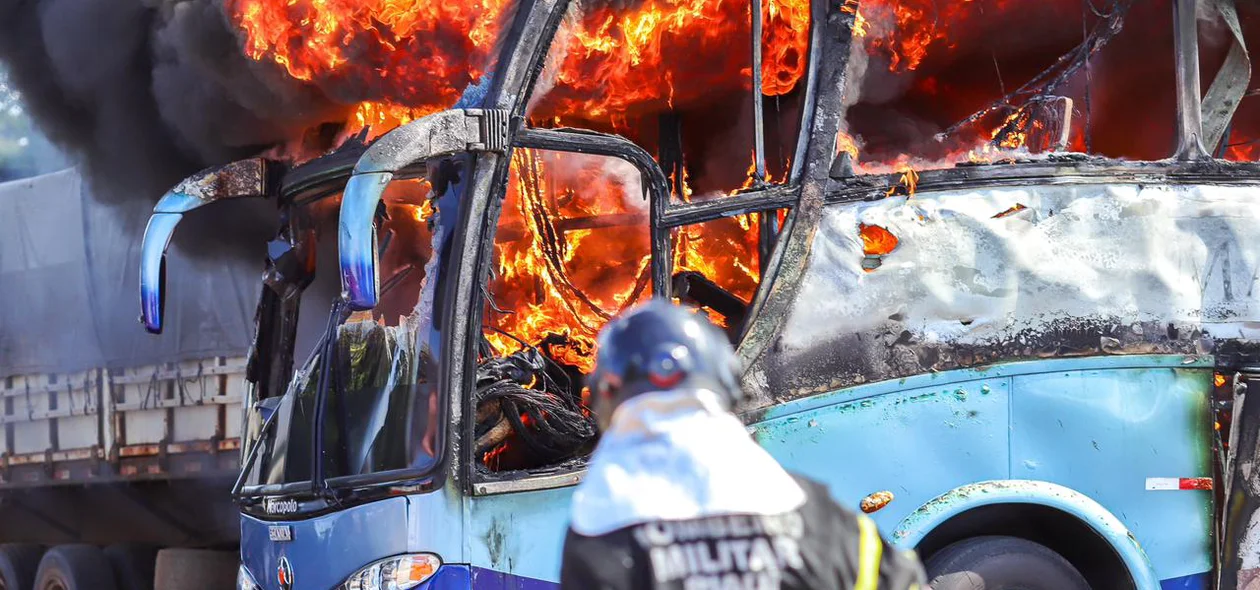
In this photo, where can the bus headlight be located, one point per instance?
(244, 581)
(394, 573)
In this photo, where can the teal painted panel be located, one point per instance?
(916, 443)
(1104, 432)
(995, 371)
(436, 523)
(520, 533)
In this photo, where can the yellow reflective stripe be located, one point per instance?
(870, 551)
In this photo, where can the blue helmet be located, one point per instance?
(659, 346)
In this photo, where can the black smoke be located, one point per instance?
(143, 93)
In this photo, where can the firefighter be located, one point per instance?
(678, 495)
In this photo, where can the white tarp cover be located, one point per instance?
(69, 280)
(1082, 269)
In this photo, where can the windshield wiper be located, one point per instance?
(325, 350)
(272, 406)
(319, 483)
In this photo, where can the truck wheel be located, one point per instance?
(133, 565)
(18, 562)
(74, 567)
(1001, 563)
(195, 569)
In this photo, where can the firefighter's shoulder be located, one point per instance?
(865, 556)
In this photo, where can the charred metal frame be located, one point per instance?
(767, 224)
(603, 144)
(521, 62)
(1056, 170)
(1189, 97)
(758, 98)
(831, 36)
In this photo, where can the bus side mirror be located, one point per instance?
(244, 178)
(438, 135)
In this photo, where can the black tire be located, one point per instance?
(74, 567)
(1001, 563)
(133, 565)
(18, 562)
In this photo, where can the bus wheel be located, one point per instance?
(18, 562)
(74, 567)
(998, 563)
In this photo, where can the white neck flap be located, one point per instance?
(678, 455)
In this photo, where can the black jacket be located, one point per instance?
(819, 546)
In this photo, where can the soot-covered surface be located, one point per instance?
(1080, 269)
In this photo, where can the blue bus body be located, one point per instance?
(1078, 436)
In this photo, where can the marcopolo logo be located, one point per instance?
(271, 506)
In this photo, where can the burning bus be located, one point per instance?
(986, 264)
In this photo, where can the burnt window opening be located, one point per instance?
(572, 249)
(933, 85)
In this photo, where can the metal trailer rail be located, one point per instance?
(181, 420)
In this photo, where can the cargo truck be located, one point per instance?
(117, 454)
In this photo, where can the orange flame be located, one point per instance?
(907, 184)
(1013, 209)
(395, 60)
(1243, 152)
(405, 58)
(724, 250)
(876, 241)
(906, 30)
(1015, 127)
(847, 144)
(860, 27)
(672, 53)
(573, 250)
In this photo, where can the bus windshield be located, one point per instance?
(375, 371)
